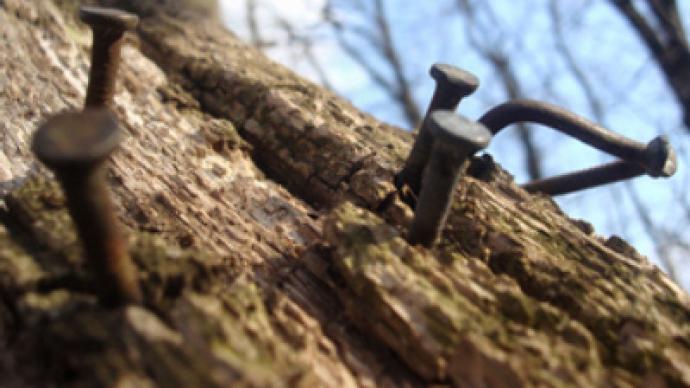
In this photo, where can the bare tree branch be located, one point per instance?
(306, 47)
(399, 87)
(495, 55)
(532, 154)
(668, 45)
(255, 38)
(561, 45)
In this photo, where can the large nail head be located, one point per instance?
(456, 80)
(77, 138)
(459, 132)
(661, 158)
(108, 17)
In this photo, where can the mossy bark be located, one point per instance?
(267, 234)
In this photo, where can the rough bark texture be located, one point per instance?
(267, 233)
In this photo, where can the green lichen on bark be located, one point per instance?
(430, 311)
(243, 283)
(210, 328)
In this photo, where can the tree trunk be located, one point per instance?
(267, 235)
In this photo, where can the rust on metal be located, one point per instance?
(456, 139)
(657, 158)
(617, 171)
(75, 146)
(452, 85)
(108, 26)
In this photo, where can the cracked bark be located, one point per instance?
(262, 218)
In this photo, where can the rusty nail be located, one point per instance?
(452, 85)
(583, 179)
(108, 26)
(75, 146)
(657, 158)
(456, 139)
(659, 161)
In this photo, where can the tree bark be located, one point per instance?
(268, 237)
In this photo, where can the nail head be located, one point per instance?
(110, 17)
(661, 158)
(77, 138)
(462, 81)
(456, 130)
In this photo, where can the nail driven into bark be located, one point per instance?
(619, 170)
(659, 161)
(656, 159)
(452, 85)
(108, 26)
(570, 124)
(75, 146)
(456, 139)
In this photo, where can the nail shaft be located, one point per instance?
(105, 60)
(440, 178)
(584, 179)
(564, 121)
(90, 206)
(456, 139)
